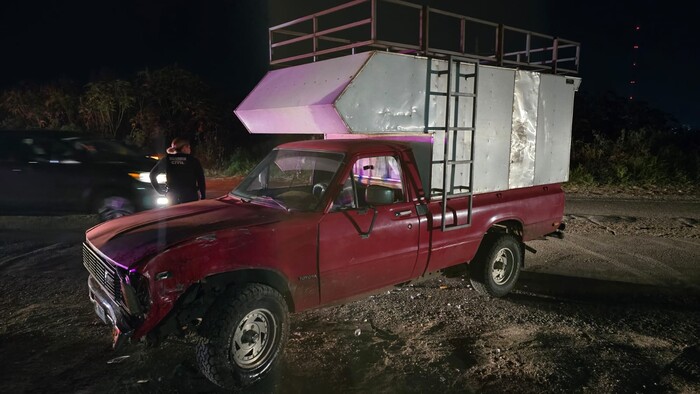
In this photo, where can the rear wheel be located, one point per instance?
(496, 267)
(111, 207)
(243, 336)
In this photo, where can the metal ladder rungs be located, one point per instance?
(457, 227)
(462, 94)
(452, 195)
(444, 72)
(449, 161)
(459, 128)
(459, 161)
(443, 94)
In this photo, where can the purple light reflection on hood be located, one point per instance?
(128, 240)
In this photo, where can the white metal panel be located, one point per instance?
(554, 124)
(300, 99)
(523, 138)
(493, 129)
(313, 119)
(387, 96)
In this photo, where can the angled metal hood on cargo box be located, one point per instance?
(371, 92)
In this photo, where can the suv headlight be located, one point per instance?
(134, 290)
(145, 177)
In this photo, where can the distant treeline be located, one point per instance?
(147, 110)
(615, 140)
(623, 142)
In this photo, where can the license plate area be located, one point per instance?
(100, 311)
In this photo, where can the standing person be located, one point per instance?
(184, 173)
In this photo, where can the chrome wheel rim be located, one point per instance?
(253, 339)
(503, 266)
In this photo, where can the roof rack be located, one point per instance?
(404, 27)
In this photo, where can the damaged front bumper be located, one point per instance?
(110, 313)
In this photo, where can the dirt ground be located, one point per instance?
(606, 331)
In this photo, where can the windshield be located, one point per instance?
(291, 179)
(105, 147)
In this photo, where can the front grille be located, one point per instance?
(104, 273)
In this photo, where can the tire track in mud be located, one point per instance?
(667, 227)
(669, 244)
(688, 242)
(635, 246)
(663, 274)
(14, 258)
(647, 278)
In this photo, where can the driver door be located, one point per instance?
(364, 247)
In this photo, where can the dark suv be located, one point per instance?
(48, 172)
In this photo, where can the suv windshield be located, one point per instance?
(105, 148)
(290, 179)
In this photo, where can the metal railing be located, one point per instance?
(401, 26)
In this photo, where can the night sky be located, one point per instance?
(225, 42)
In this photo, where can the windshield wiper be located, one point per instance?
(241, 197)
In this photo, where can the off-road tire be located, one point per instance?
(496, 266)
(253, 319)
(110, 207)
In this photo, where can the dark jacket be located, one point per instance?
(185, 178)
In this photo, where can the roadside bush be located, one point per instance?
(211, 151)
(105, 106)
(241, 162)
(52, 106)
(640, 157)
(579, 175)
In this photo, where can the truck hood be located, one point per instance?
(128, 240)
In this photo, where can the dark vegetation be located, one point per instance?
(616, 141)
(621, 142)
(147, 110)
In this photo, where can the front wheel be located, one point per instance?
(243, 336)
(496, 267)
(112, 207)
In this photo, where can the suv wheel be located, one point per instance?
(111, 207)
(243, 335)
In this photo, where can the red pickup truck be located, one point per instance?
(316, 222)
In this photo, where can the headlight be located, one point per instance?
(145, 177)
(134, 290)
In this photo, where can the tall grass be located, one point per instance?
(239, 163)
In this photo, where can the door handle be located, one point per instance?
(399, 214)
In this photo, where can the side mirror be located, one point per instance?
(379, 195)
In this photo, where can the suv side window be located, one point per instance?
(366, 171)
(43, 149)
